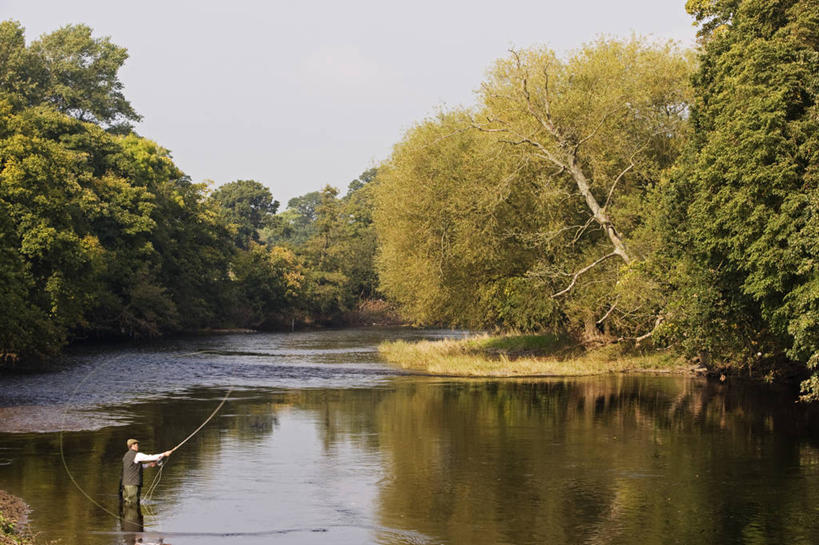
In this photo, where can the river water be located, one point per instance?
(320, 442)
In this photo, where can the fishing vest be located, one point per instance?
(131, 472)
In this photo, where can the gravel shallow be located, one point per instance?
(14, 510)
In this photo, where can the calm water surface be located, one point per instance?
(320, 442)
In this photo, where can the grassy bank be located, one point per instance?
(524, 355)
(12, 521)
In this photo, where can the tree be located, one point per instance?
(25, 329)
(363, 179)
(47, 191)
(23, 75)
(270, 282)
(107, 235)
(294, 226)
(189, 248)
(608, 120)
(556, 183)
(455, 223)
(328, 292)
(360, 239)
(747, 189)
(341, 250)
(249, 206)
(82, 75)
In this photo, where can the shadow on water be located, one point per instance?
(375, 457)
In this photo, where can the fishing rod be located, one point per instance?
(155, 482)
(158, 477)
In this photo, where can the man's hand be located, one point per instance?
(167, 453)
(152, 464)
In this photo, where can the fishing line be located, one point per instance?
(62, 451)
(155, 482)
(152, 487)
(208, 419)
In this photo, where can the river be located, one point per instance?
(320, 442)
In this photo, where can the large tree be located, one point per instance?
(295, 225)
(575, 145)
(747, 193)
(249, 206)
(457, 226)
(83, 75)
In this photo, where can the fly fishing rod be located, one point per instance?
(150, 491)
(155, 482)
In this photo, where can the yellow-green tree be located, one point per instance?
(455, 221)
(533, 209)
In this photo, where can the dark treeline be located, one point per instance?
(102, 235)
(629, 192)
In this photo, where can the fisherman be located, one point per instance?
(132, 464)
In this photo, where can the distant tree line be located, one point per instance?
(628, 192)
(101, 234)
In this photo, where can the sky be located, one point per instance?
(299, 95)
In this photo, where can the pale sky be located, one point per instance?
(298, 95)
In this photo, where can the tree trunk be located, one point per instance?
(600, 215)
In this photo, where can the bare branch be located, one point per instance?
(641, 338)
(484, 129)
(606, 315)
(623, 172)
(547, 99)
(594, 132)
(558, 172)
(564, 157)
(547, 122)
(520, 139)
(614, 184)
(582, 230)
(545, 238)
(645, 336)
(483, 126)
(515, 54)
(582, 271)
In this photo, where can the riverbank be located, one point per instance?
(13, 516)
(526, 355)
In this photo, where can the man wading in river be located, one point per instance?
(132, 464)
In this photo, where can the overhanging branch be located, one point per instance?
(581, 272)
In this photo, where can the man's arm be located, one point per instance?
(143, 458)
(149, 460)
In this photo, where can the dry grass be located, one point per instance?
(523, 355)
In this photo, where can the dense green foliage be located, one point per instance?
(744, 200)
(335, 238)
(101, 234)
(314, 262)
(249, 206)
(67, 69)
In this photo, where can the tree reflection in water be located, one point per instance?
(592, 460)
(617, 459)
